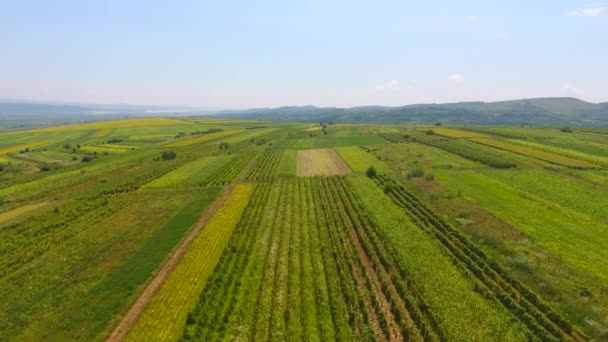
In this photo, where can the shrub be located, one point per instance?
(430, 132)
(415, 173)
(371, 172)
(566, 130)
(168, 155)
(86, 159)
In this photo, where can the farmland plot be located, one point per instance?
(319, 162)
(277, 282)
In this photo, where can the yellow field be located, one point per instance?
(17, 148)
(456, 133)
(527, 151)
(165, 316)
(108, 148)
(320, 162)
(113, 124)
(205, 137)
(312, 129)
(102, 132)
(8, 216)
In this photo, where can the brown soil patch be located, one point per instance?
(126, 323)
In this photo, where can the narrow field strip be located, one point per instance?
(319, 162)
(519, 149)
(165, 315)
(205, 137)
(11, 215)
(303, 264)
(494, 281)
(230, 171)
(266, 165)
(102, 132)
(21, 147)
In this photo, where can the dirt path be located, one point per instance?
(126, 323)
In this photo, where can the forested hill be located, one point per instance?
(537, 112)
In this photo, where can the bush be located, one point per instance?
(371, 172)
(566, 130)
(168, 155)
(388, 188)
(45, 169)
(415, 173)
(86, 159)
(430, 132)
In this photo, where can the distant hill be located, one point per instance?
(15, 114)
(555, 111)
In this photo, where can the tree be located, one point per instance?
(67, 146)
(430, 132)
(168, 155)
(86, 159)
(388, 188)
(371, 172)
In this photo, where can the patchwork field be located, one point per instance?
(202, 229)
(319, 162)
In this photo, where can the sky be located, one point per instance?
(240, 54)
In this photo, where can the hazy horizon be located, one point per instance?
(272, 54)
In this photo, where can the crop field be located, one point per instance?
(505, 145)
(207, 229)
(323, 161)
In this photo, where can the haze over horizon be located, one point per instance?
(270, 54)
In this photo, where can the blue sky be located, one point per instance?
(329, 53)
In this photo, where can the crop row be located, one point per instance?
(503, 145)
(266, 165)
(491, 279)
(165, 315)
(305, 264)
(466, 151)
(388, 285)
(230, 170)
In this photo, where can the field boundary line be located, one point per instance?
(121, 330)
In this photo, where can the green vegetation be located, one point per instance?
(254, 230)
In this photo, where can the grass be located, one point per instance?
(112, 124)
(575, 238)
(20, 212)
(204, 138)
(503, 145)
(192, 174)
(360, 160)
(21, 147)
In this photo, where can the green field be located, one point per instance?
(199, 229)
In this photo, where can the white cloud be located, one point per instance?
(456, 78)
(392, 85)
(588, 12)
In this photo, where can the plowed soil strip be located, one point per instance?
(321, 162)
(122, 329)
